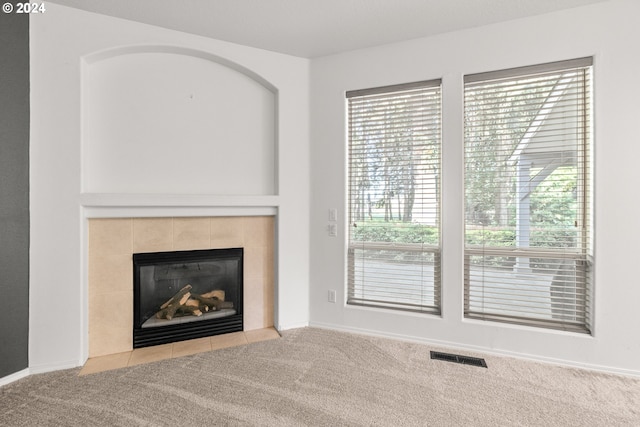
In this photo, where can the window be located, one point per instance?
(394, 197)
(528, 256)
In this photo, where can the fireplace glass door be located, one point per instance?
(186, 294)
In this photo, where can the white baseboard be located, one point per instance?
(42, 369)
(14, 377)
(292, 326)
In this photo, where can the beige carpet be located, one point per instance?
(324, 378)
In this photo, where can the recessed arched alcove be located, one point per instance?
(172, 120)
(185, 129)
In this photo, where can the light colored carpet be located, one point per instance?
(324, 378)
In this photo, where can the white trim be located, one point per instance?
(14, 377)
(159, 212)
(175, 200)
(297, 325)
(52, 367)
(100, 205)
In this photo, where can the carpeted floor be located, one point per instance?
(324, 378)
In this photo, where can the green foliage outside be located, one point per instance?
(491, 237)
(540, 237)
(394, 232)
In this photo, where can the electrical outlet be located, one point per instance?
(332, 296)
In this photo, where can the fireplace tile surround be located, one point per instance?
(113, 241)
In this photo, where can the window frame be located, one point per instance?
(581, 256)
(417, 249)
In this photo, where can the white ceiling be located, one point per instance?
(313, 28)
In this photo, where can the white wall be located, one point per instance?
(607, 31)
(63, 37)
(64, 41)
(175, 121)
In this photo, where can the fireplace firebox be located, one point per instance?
(186, 294)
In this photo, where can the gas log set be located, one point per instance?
(183, 295)
(187, 303)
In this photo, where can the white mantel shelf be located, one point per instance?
(114, 205)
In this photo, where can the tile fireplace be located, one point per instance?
(114, 241)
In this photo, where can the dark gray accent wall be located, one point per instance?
(14, 193)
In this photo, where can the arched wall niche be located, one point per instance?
(174, 120)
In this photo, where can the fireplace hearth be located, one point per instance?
(184, 295)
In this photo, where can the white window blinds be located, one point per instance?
(528, 170)
(394, 197)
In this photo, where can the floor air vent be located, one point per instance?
(456, 358)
